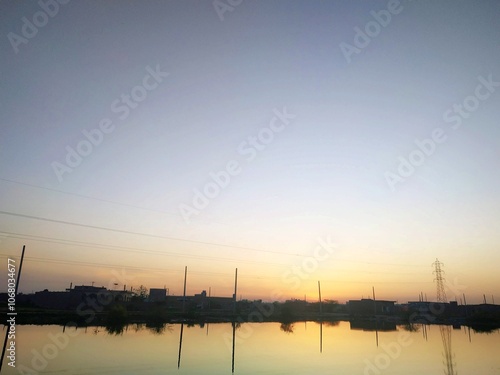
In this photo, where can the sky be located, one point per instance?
(346, 142)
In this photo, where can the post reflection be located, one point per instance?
(321, 337)
(180, 346)
(261, 341)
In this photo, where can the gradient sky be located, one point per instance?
(322, 176)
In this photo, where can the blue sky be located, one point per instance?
(323, 175)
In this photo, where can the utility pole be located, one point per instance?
(7, 327)
(235, 290)
(184, 295)
(320, 305)
(375, 315)
(209, 295)
(374, 303)
(465, 304)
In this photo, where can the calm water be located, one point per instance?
(265, 348)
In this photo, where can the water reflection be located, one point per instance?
(447, 352)
(286, 327)
(249, 347)
(159, 328)
(234, 343)
(115, 329)
(321, 337)
(116, 320)
(118, 329)
(365, 326)
(373, 325)
(180, 346)
(411, 327)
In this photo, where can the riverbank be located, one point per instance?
(158, 317)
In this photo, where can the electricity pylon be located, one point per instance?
(445, 330)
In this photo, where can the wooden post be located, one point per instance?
(12, 314)
(320, 304)
(209, 295)
(184, 295)
(465, 304)
(374, 303)
(20, 268)
(235, 290)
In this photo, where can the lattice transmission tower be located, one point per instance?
(438, 277)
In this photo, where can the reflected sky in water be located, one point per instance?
(266, 348)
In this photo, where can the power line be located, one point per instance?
(164, 253)
(142, 234)
(164, 237)
(178, 271)
(157, 236)
(89, 197)
(128, 249)
(176, 214)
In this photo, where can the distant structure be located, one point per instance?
(158, 295)
(85, 289)
(367, 307)
(201, 300)
(72, 297)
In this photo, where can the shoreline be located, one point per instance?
(370, 322)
